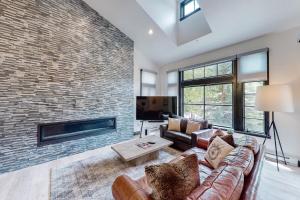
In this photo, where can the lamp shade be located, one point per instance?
(274, 98)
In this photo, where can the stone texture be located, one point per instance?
(59, 61)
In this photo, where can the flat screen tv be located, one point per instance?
(155, 108)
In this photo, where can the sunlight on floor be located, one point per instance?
(281, 166)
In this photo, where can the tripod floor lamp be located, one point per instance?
(274, 98)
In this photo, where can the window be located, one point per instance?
(253, 67)
(211, 102)
(148, 83)
(252, 72)
(215, 70)
(218, 108)
(194, 102)
(188, 7)
(253, 119)
(224, 92)
(172, 83)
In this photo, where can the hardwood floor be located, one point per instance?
(282, 185)
(33, 183)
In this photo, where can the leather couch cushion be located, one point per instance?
(224, 183)
(249, 142)
(173, 180)
(174, 135)
(184, 122)
(204, 124)
(204, 172)
(200, 155)
(183, 125)
(240, 157)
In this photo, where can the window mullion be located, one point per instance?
(204, 102)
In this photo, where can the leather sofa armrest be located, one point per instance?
(253, 179)
(124, 188)
(163, 128)
(201, 138)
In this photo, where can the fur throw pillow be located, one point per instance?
(173, 180)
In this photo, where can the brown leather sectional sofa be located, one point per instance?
(237, 176)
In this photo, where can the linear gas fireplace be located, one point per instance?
(49, 133)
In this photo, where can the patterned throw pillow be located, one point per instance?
(173, 180)
(174, 124)
(217, 151)
(192, 126)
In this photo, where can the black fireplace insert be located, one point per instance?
(49, 133)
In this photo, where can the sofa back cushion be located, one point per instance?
(224, 183)
(240, 157)
(184, 123)
(249, 142)
(192, 126)
(173, 180)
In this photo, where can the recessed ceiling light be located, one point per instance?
(150, 32)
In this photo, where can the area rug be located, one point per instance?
(91, 179)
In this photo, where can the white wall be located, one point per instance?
(284, 69)
(191, 28)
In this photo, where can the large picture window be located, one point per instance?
(223, 92)
(218, 104)
(213, 102)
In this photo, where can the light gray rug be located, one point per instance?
(91, 179)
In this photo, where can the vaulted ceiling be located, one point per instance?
(230, 21)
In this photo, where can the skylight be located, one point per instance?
(188, 7)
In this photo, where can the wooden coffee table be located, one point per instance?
(129, 151)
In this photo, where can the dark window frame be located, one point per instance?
(266, 115)
(237, 94)
(206, 81)
(182, 5)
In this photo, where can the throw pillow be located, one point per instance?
(173, 180)
(217, 151)
(174, 124)
(227, 138)
(219, 133)
(192, 126)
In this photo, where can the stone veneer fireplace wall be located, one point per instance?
(60, 61)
